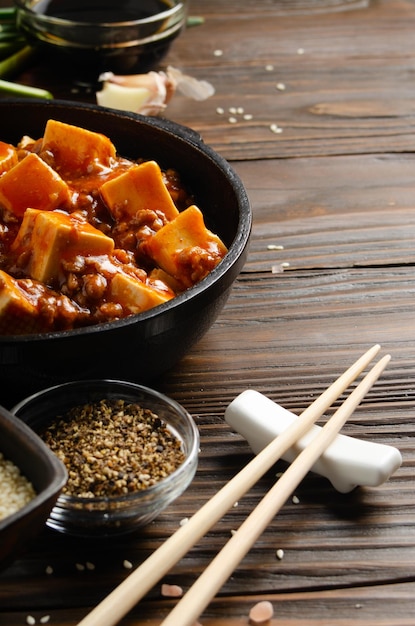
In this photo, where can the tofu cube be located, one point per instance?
(17, 314)
(76, 150)
(8, 156)
(185, 248)
(32, 183)
(140, 187)
(52, 237)
(135, 296)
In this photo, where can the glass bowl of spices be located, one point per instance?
(129, 452)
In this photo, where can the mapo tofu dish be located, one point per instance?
(88, 236)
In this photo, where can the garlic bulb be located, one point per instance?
(149, 93)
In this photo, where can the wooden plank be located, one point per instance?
(349, 91)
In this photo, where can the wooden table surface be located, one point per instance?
(330, 272)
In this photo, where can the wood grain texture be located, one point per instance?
(330, 272)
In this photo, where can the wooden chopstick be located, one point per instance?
(188, 609)
(112, 608)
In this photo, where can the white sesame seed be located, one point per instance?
(285, 264)
(232, 120)
(30, 620)
(273, 246)
(280, 86)
(269, 67)
(220, 111)
(90, 566)
(280, 554)
(232, 110)
(45, 619)
(49, 570)
(248, 117)
(357, 606)
(184, 521)
(240, 110)
(295, 500)
(127, 564)
(275, 128)
(80, 567)
(218, 53)
(235, 504)
(300, 51)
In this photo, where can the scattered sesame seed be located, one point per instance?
(248, 117)
(269, 67)
(220, 110)
(217, 53)
(280, 86)
(279, 474)
(80, 567)
(279, 554)
(232, 120)
(127, 564)
(30, 620)
(45, 619)
(233, 110)
(240, 110)
(275, 128)
(184, 521)
(49, 570)
(295, 500)
(357, 606)
(90, 566)
(171, 591)
(285, 264)
(235, 504)
(300, 51)
(273, 246)
(262, 612)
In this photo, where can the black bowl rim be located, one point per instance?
(184, 133)
(59, 473)
(191, 457)
(43, 18)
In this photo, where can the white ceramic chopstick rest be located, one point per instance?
(347, 462)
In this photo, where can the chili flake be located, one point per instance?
(113, 448)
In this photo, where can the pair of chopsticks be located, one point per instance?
(193, 603)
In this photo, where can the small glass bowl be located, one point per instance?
(103, 35)
(105, 516)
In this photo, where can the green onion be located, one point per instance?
(195, 20)
(14, 63)
(8, 48)
(14, 56)
(15, 89)
(7, 14)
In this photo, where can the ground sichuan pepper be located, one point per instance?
(113, 448)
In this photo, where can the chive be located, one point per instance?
(15, 63)
(15, 89)
(7, 49)
(195, 20)
(7, 14)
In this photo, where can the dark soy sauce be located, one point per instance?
(95, 11)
